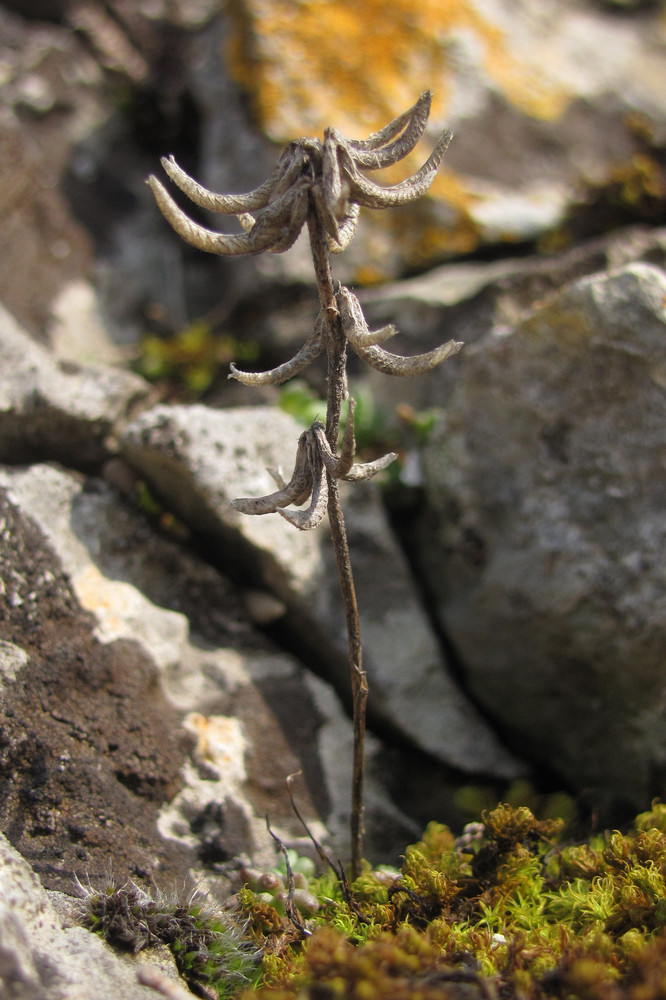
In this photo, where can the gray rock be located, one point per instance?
(410, 682)
(198, 459)
(44, 956)
(544, 535)
(463, 300)
(57, 410)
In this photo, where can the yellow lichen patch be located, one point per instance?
(357, 63)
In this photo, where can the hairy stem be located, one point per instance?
(337, 360)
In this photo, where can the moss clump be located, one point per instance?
(505, 911)
(190, 357)
(207, 945)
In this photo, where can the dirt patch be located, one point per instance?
(83, 781)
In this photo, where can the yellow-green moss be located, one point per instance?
(507, 912)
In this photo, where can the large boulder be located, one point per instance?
(544, 530)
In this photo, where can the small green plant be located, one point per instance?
(370, 422)
(191, 357)
(322, 185)
(208, 945)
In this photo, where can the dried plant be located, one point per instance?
(320, 184)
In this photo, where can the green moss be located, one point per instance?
(191, 357)
(506, 911)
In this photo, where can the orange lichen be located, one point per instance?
(357, 63)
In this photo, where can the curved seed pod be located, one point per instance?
(369, 337)
(335, 190)
(282, 220)
(296, 491)
(343, 467)
(337, 466)
(284, 172)
(282, 214)
(366, 470)
(196, 235)
(277, 227)
(340, 215)
(328, 458)
(345, 230)
(364, 342)
(376, 156)
(348, 449)
(397, 364)
(393, 128)
(371, 195)
(354, 323)
(308, 353)
(306, 520)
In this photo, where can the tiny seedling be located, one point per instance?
(322, 185)
(209, 946)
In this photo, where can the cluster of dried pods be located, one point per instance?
(321, 185)
(325, 177)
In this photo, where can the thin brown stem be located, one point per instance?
(359, 679)
(337, 359)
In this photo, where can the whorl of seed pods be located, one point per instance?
(323, 177)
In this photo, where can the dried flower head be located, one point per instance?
(274, 213)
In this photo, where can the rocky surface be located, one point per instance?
(45, 953)
(544, 491)
(51, 409)
(90, 747)
(166, 662)
(198, 460)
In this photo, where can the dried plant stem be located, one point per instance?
(337, 360)
(325, 185)
(359, 679)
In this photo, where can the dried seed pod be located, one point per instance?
(364, 344)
